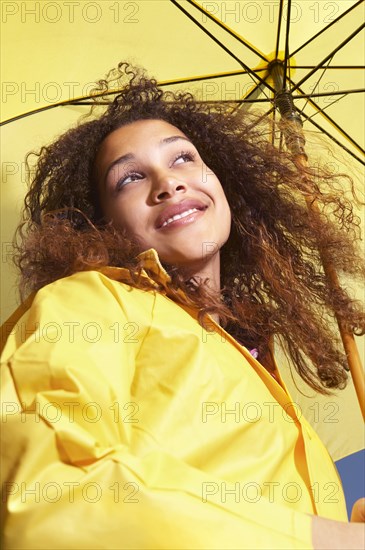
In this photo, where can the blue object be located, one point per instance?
(352, 473)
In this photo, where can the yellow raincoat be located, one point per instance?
(126, 425)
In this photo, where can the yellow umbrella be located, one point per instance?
(221, 50)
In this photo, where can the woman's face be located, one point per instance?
(153, 183)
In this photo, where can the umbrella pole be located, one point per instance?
(348, 340)
(295, 142)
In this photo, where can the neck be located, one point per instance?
(208, 270)
(205, 270)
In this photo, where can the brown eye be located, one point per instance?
(128, 178)
(184, 156)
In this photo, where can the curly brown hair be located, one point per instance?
(271, 275)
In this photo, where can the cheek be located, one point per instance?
(228, 218)
(125, 220)
(226, 215)
(223, 202)
(126, 216)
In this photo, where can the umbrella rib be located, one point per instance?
(286, 54)
(250, 92)
(327, 27)
(239, 101)
(84, 99)
(249, 72)
(332, 67)
(246, 98)
(337, 126)
(331, 137)
(279, 29)
(318, 110)
(262, 100)
(222, 25)
(74, 101)
(329, 56)
(318, 81)
(78, 102)
(205, 77)
(326, 94)
(39, 110)
(332, 122)
(326, 107)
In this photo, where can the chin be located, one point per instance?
(188, 260)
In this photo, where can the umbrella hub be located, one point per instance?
(276, 69)
(277, 65)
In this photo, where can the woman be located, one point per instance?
(168, 243)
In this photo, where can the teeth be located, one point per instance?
(179, 216)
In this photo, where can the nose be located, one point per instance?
(166, 186)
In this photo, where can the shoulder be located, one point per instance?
(84, 298)
(92, 287)
(83, 281)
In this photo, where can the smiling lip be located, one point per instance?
(178, 209)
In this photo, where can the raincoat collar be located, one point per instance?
(152, 269)
(151, 262)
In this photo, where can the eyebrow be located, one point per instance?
(129, 156)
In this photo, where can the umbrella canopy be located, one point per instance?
(244, 51)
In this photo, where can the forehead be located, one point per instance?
(136, 134)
